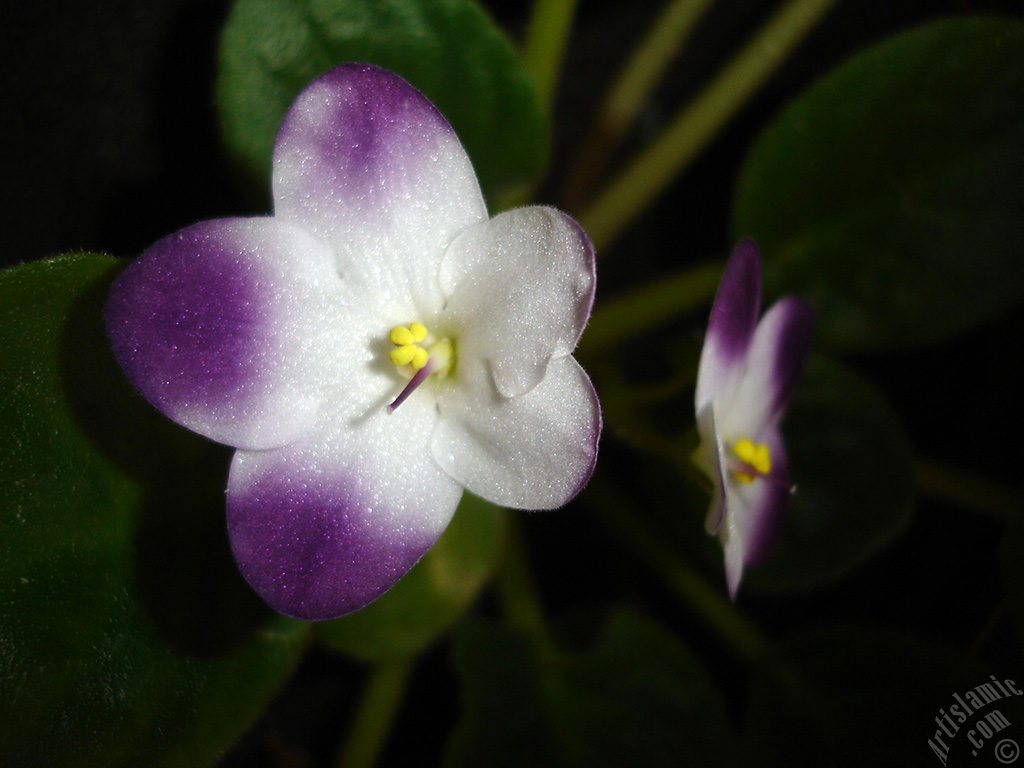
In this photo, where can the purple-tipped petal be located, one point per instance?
(766, 516)
(534, 451)
(520, 288)
(774, 363)
(367, 163)
(753, 514)
(272, 335)
(732, 323)
(319, 534)
(213, 325)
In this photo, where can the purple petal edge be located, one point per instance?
(594, 439)
(767, 521)
(754, 514)
(312, 548)
(357, 130)
(181, 319)
(732, 322)
(737, 302)
(793, 343)
(359, 135)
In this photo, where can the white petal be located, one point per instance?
(323, 527)
(222, 326)
(731, 325)
(753, 513)
(534, 451)
(366, 162)
(772, 369)
(519, 289)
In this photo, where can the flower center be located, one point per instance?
(754, 460)
(418, 354)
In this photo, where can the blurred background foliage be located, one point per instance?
(879, 166)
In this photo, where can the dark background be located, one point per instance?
(109, 142)
(109, 131)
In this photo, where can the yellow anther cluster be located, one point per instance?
(407, 350)
(754, 455)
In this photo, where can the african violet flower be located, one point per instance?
(372, 349)
(747, 373)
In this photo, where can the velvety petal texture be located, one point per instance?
(521, 287)
(732, 323)
(321, 530)
(276, 335)
(774, 362)
(218, 326)
(534, 451)
(367, 163)
(754, 512)
(748, 371)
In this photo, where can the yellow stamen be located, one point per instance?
(414, 346)
(754, 455)
(418, 331)
(401, 336)
(404, 354)
(419, 358)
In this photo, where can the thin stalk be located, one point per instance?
(987, 630)
(629, 193)
(630, 91)
(378, 707)
(968, 490)
(719, 614)
(650, 306)
(547, 35)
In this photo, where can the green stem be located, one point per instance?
(968, 490)
(986, 632)
(381, 700)
(630, 91)
(621, 518)
(516, 588)
(652, 305)
(693, 127)
(544, 49)
(622, 405)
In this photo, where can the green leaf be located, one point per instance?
(127, 637)
(636, 696)
(889, 194)
(449, 49)
(851, 462)
(859, 695)
(431, 597)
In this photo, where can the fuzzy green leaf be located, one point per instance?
(449, 49)
(634, 696)
(127, 637)
(889, 194)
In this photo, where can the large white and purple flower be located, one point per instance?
(372, 349)
(748, 370)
